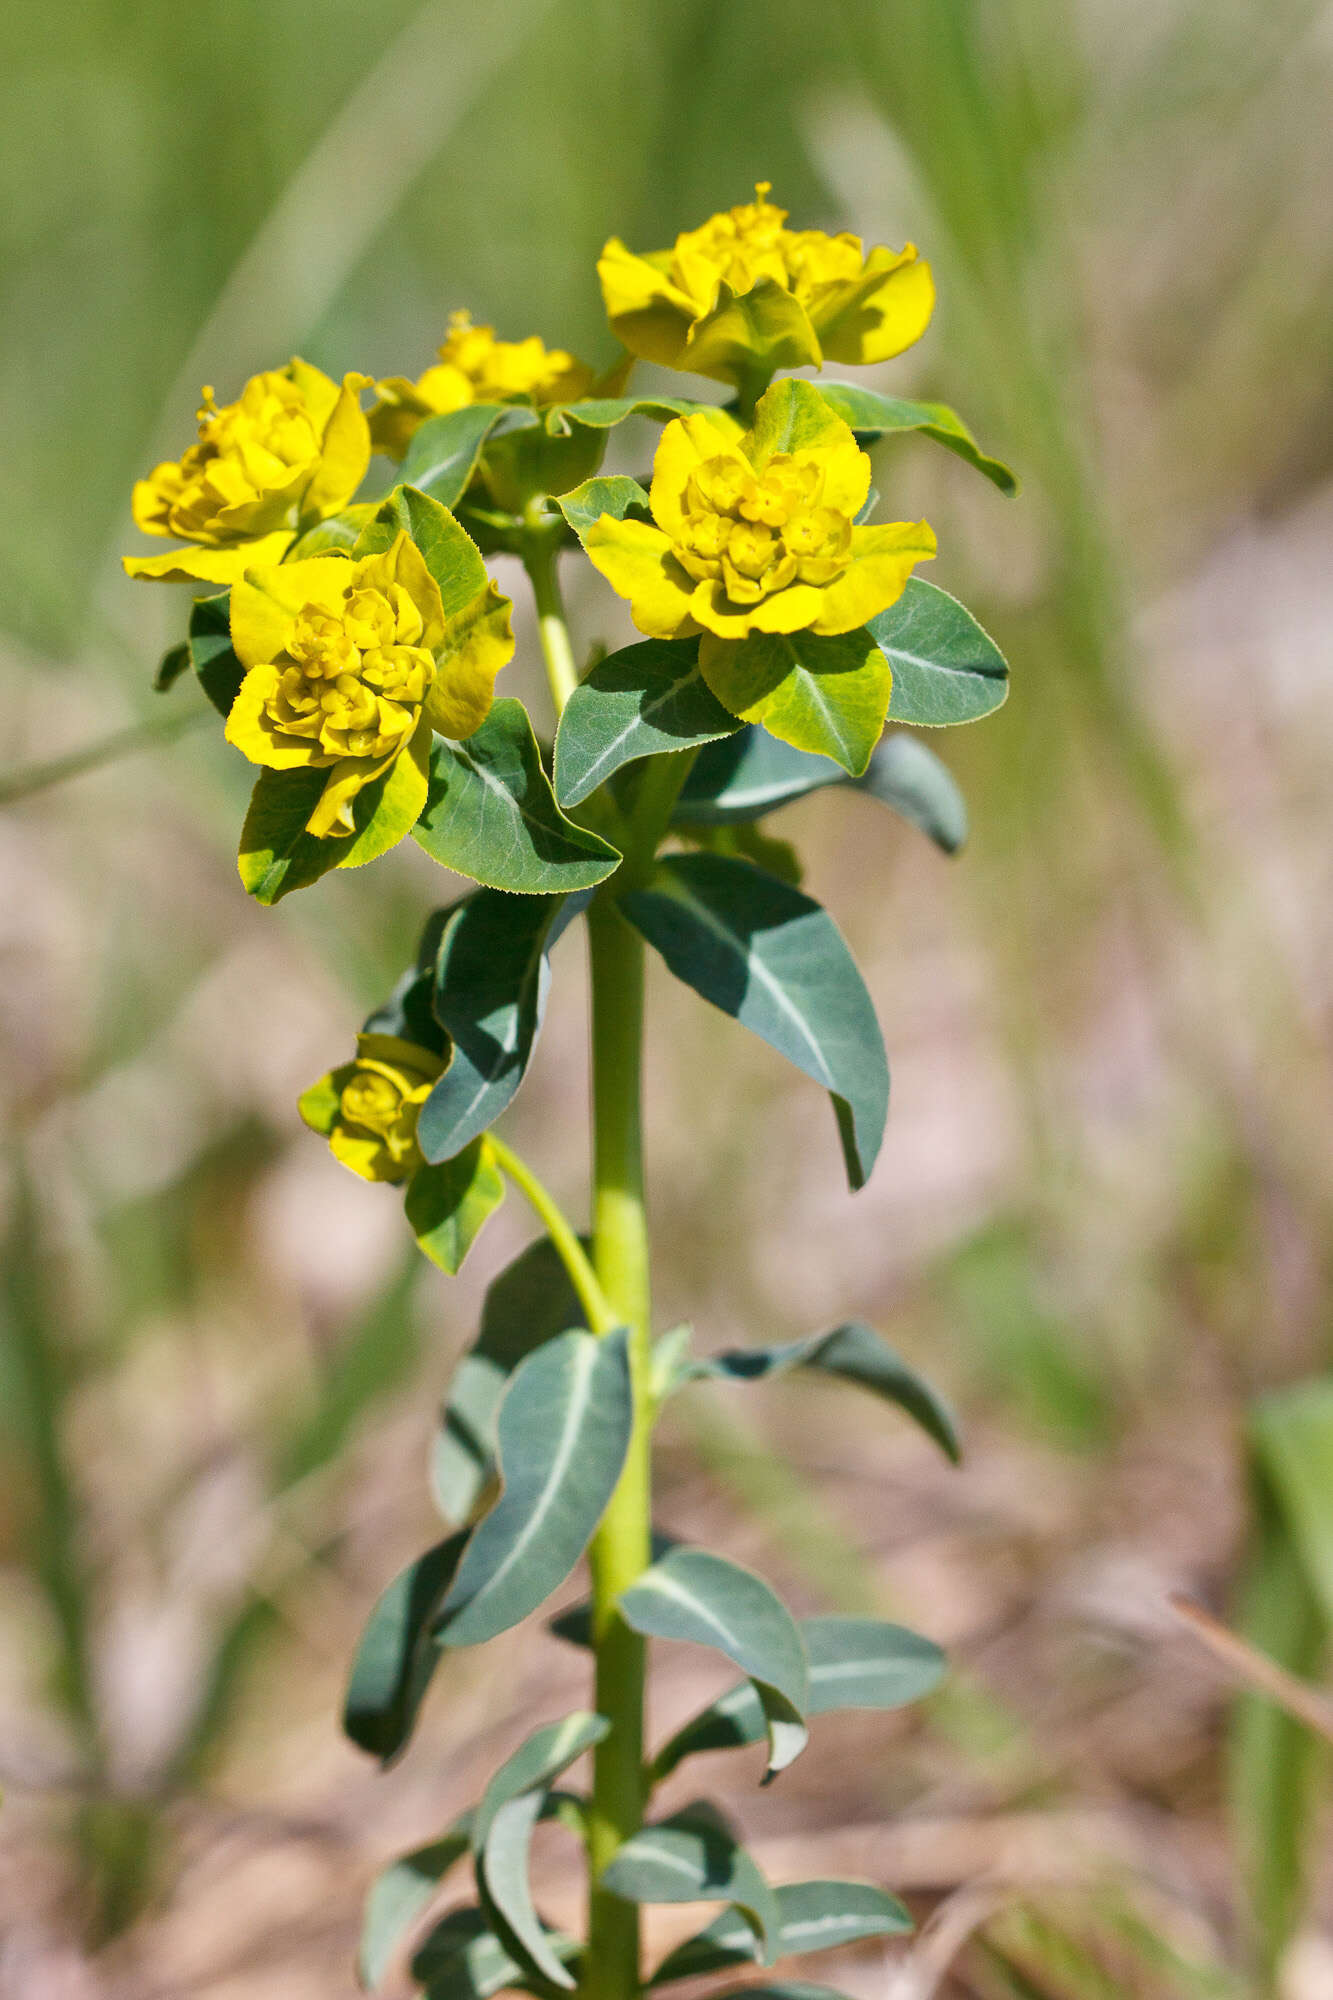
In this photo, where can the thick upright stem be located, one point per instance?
(622, 1547)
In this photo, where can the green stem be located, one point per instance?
(601, 1316)
(541, 555)
(621, 1550)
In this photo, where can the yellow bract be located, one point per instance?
(291, 450)
(368, 1109)
(754, 531)
(743, 296)
(352, 663)
(474, 367)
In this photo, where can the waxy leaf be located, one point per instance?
(692, 1595)
(529, 1303)
(491, 980)
(854, 1353)
(539, 1759)
(774, 959)
(812, 1916)
(603, 413)
(854, 1663)
(334, 532)
(694, 1858)
(401, 1894)
(463, 1959)
(945, 668)
(873, 416)
(173, 663)
(648, 698)
(491, 814)
(398, 1652)
(448, 1203)
(449, 552)
(211, 653)
(407, 1012)
(563, 1430)
(443, 453)
(752, 774)
(826, 695)
(612, 494)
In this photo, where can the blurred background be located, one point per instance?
(1102, 1220)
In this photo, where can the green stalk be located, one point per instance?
(541, 555)
(601, 1316)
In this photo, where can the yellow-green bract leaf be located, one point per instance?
(448, 551)
(563, 1431)
(278, 855)
(639, 702)
(444, 451)
(463, 1959)
(693, 1857)
(399, 1652)
(319, 1105)
(872, 416)
(491, 814)
(613, 494)
(693, 1595)
(338, 531)
(793, 416)
(812, 1916)
(945, 668)
(775, 960)
(403, 1892)
(854, 1663)
(826, 694)
(448, 1203)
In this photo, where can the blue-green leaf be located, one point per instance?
(692, 1595)
(448, 1203)
(646, 699)
(463, 1959)
(539, 1759)
(812, 1916)
(491, 980)
(491, 814)
(773, 959)
(277, 855)
(529, 1303)
(443, 453)
(855, 1353)
(398, 1652)
(612, 494)
(401, 1894)
(211, 652)
(945, 668)
(693, 1857)
(854, 1663)
(563, 1430)
(873, 415)
(603, 413)
(173, 663)
(752, 773)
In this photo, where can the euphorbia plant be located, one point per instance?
(353, 654)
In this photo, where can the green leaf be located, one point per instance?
(444, 451)
(692, 1595)
(603, 413)
(774, 959)
(174, 662)
(401, 1894)
(646, 699)
(752, 773)
(812, 1916)
(449, 552)
(945, 668)
(407, 1011)
(491, 814)
(277, 854)
(694, 1858)
(491, 980)
(875, 416)
(539, 1759)
(609, 494)
(855, 1353)
(336, 531)
(448, 1202)
(463, 1959)
(1292, 1433)
(824, 694)
(211, 653)
(529, 1303)
(854, 1663)
(398, 1652)
(563, 1430)
(779, 1989)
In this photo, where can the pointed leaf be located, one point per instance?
(907, 776)
(443, 453)
(614, 494)
(855, 1353)
(825, 694)
(448, 1203)
(945, 668)
(491, 980)
(692, 1595)
(854, 1663)
(872, 415)
(539, 1759)
(449, 552)
(648, 698)
(603, 413)
(491, 814)
(398, 1652)
(774, 960)
(174, 662)
(529, 1303)
(563, 1430)
(753, 773)
(211, 653)
(694, 1858)
(277, 855)
(401, 1894)
(812, 1916)
(463, 1959)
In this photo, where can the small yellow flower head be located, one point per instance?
(474, 367)
(368, 1109)
(755, 531)
(352, 663)
(292, 449)
(743, 296)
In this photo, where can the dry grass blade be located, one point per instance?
(1254, 1670)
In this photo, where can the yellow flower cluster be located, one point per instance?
(368, 1109)
(474, 367)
